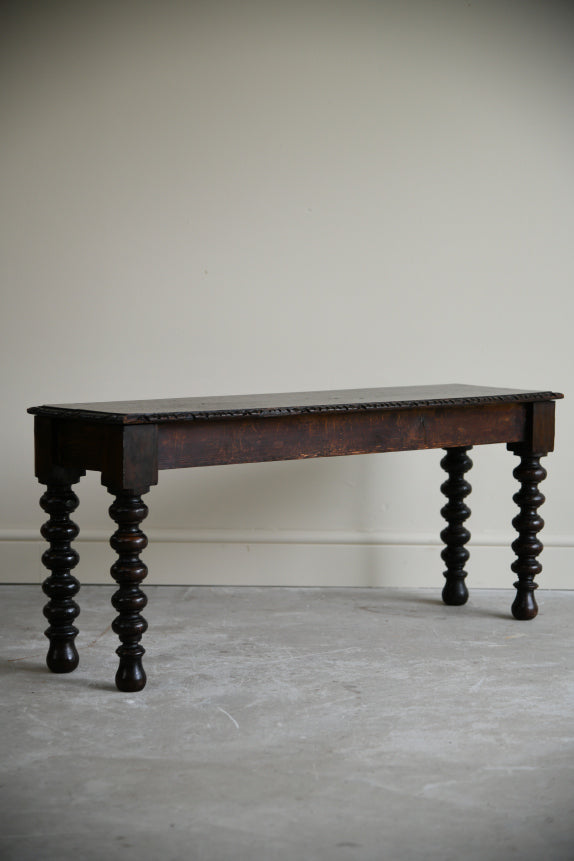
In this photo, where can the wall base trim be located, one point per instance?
(244, 558)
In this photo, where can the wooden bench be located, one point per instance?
(128, 442)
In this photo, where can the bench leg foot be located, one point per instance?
(59, 501)
(128, 510)
(455, 555)
(527, 523)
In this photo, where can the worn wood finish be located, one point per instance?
(129, 442)
(288, 403)
(254, 440)
(455, 555)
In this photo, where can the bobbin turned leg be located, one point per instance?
(455, 555)
(59, 501)
(527, 523)
(128, 510)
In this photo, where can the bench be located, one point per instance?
(129, 442)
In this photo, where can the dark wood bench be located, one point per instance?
(128, 442)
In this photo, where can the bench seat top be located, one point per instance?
(290, 403)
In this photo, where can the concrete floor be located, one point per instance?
(300, 724)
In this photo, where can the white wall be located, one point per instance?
(230, 197)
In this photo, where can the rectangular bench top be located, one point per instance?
(290, 403)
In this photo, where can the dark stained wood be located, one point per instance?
(59, 501)
(49, 467)
(61, 587)
(538, 436)
(289, 403)
(132, 462)
(538, 440)
(82, 443)
(527, 523)
(542, 426)
(126, 456)
(254, 440)
(128, 442)
(128, 510)
(455, 555)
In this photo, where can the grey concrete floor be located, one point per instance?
(312, 724)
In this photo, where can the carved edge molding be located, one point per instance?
(212, 415)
